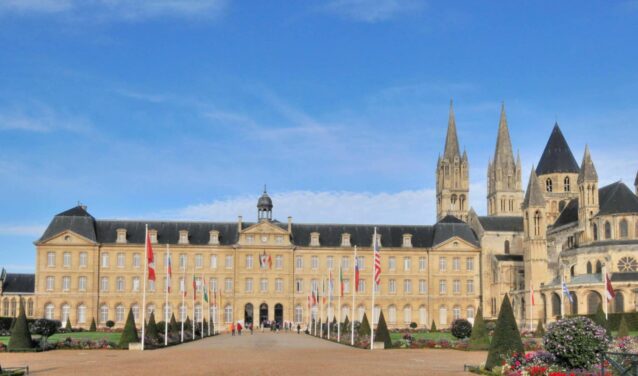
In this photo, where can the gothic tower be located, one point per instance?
(587, 198)
(535, 235)
(452, 176)
(504, 185)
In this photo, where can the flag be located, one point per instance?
(194, 288)
(356, 274)
(609, 290)
(330, 284)
(182, 286)
(149, 258)
(205, 288)
(170, 275)
(269, 262)
(309, 301)
(341, 281)
(377, 259)
(314, 295)
(531, 293)
(323, 290)
(265, 261)
(566, 292)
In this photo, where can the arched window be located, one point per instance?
(442, 316)
(49, 311)
(589, 267)
(507, 247)
(453, 202)
(407, 314)
(593, 301)
(607, 230)
(555, 305)
(470, 313)
(599, 267)
(104, 313)
(81, 319)
(168, 312)
(5, 307)
(361, 310)
(14, 308)
(423, 315)
(566, 186)
(392, 314)
(376, 312)
(198, 312)
(624, 229)
(298, 313)
(572, 270)
(537, 223)
(619, 303)
(462, 202)
(345, 311)
(119, 313)
(64, 313)
(30, 307)
(574, 304)
(548, 185)
(228, 313)
(594, 230)
(182, 312)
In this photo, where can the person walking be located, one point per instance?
(232, 328)
(239, 328)
(298, 328)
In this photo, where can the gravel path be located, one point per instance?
(260, 354)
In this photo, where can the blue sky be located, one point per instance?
(165, 109)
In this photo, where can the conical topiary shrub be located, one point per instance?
(433, 327)
(540, 330)
(174, 327)
(188, 325)
(93, 327)
(20, 336)
(345, 324)
(68, 324)
(480, 338)
(364, 328)
(507, 338)
(382, 334)
(151, 328)
(129, 334)
(623, 328)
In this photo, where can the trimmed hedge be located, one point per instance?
(507, 338)
(20, 336)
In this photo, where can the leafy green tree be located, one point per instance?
(129, 335)
(151, 328)
(623, 329)
(540, 330)
(45, 328)
(20, 337)
(433, 327)
(507, 338)
(382, 334)
(364, 328)
(480, 339)
(93, 327)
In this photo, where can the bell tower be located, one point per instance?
(535, 230)
(264, 207)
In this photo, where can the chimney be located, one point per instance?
(289, 224)
(239, 219)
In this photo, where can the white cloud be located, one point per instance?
(405, 207)
(373, 10)
(30, 230)
(41, 118)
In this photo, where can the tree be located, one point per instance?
(188, 325)
(433, 327)
(151, 328)
(540, 330)
(129, 335)
(364, 328)
(93, 327)
(174, 326)
(45, 328)
(68, 324)
(480, 339)
(20, 337)
(507, 338)
(623, 329)
(346, 322)
(110, 324)
(461, 328)
(382, 333)
(601, 320)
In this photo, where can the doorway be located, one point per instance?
(248, 314)
(279, 313)
(263, 313)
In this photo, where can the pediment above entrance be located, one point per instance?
(264, 233)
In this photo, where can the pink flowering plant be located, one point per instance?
(576, 342)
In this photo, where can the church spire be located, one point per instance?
(503, 153)
(451, 140)
(534, 194)
(587, 168)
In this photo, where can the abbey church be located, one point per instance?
(562, 227)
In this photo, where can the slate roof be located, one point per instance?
(617, 198)
(16, 283)
(510, 224)
(105, 231)
(509, 257)
(557, 156)
(568, 215)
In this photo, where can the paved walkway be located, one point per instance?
(260, 354)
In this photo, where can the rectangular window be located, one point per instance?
(250, 239)
(151, 286)
(392, 263)
(361, 262)
(50, 283)
(469, 263)
(105, 260)
(213, 261)
(213, 284)
(456, 264)
(407, 286)
(377, 288)
(249, 285)
(423, 286)
(442, 287)
(137, 260)
(66, 259)
(330, 262)
(263, 285)
(442, 264)
(279, 239)
(66, 283)
(136, 284)
(51, 259)
(456, 286)
(183, 261)
(119, 284)
(120, 260)
(279, 262)
(346, 286)
(84, 259)
(345, 262)
(470, 286)
(421, 264)
(249, 261)
(82, 283)
(407, 264)
(199, 261)
(228, 284)
(299, 285)
(314, 285)
(392, 286)
(299, 262)
(104, 284)
(362, 286)
(228, 264)
(279, 285)
(314, 262)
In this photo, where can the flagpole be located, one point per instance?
(374, 243)
(202, 314)
(531, 306)
(323, 290)
(182, 309)
(605, 294)
(144, 285)
(166, 319)
(315, 306)
(208, 290)
(354, 293)
(194, 323)
(562, 294)
(329, 302)
(339, 304)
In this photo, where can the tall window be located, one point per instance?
(314, 262)
(566, 186)
(198, 312)
(82, 283)
(136, 311)
(66, 259)
(594, 230)
(213, 284)
(423, 286)
(392, 263)
(607, 230)
(456, 312)
(279, 285)
(51, 259)
(345, 262)
(49, 311)
(330, 262)
(548, 185)
(624, 229)
(392, 314)
(104, 284)
(506, 247)
(183, 261)
(137, 260)
(199, 261)
(299, 262)
(421, 264)
(151, 285)
(119, 284)
(407, 286)
(537, 223)
(81, 314)
(279, 262)
(228, 284)
(298, 313)
(119, 313)
(407, 315)
(249, 261)
(392, 286)
(361, 262)
(249, 285)
(65, 312)
(66, 283)
(104, 313)
(228, 264)
(442, 287)
(470, 286)
(456, 286)
(105, 260)
(120, 260)
(228, 313)
(456, 264)
(213, 261)
(136, 284)
(442, 264)
(407, 264)
(469, 263)
(83, 259)
(50, 283)
(263, 285)
(298, 285)
(362, 286)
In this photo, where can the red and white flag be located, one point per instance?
(531, 293)
(609, 290)
(150, 259)
(377, 259)
(169, 270)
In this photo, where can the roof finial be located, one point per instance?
(264, 188)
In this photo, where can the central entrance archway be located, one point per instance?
(279, 313)
(263, 313)
(248, 314)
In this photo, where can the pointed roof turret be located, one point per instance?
(451, 139)
(587, 168)
(636, 181)
(557, 156)
(503, 152)
(534, 194)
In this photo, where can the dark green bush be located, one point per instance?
(433, 327)
(364, 328)
(20, 336)
(110, 324)
(480, 338)
(129, 335)
(151, 328)
(93, 327)
(507, 338)
(382, 334)
(461, 328)
(413, 325)
(623, 329)
(576, 342)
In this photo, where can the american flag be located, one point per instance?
(377, 259)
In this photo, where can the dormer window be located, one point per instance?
(345, 240)
(214, 237)
(121, 235)
(183, 237)
(407, 240)
(314, 239)
(153, 235)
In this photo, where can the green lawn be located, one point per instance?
(113, 337)
(434, 336)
